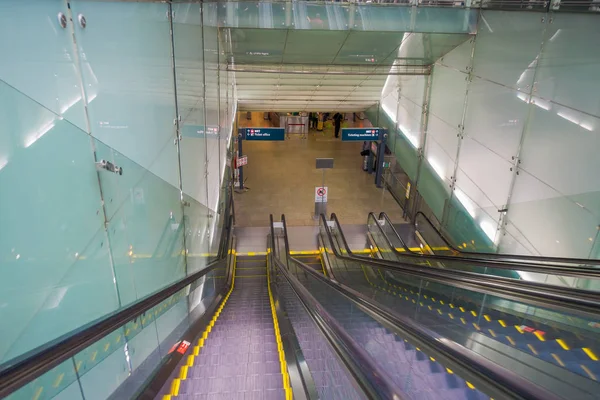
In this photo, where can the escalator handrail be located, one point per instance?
(285, 235)
(371, 378)
(551, 269)
(40, 360)
(491, 374)
(564, 260)
(576, 301)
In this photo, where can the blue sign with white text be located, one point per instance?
(197, 131)
(360, 134)
(266, 134)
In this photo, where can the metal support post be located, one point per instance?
(370, 159)
(380, 160)
(240, 152)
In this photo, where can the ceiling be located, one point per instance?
(319, 70)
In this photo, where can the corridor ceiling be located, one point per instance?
(317, 70)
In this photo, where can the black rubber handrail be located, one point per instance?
(530, 258)
(374, 381)
(502, 380)
(19, 372)
(576, 301)
(552, 269)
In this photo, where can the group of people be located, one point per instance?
(337, 118)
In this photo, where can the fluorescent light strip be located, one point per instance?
(465, 201)
(31, 139)
(488, 229)
(436, 167)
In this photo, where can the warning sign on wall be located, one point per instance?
(321, 194)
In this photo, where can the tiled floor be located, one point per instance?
(281, 177)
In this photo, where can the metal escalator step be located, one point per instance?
(240, 358)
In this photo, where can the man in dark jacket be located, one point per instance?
(337, 122)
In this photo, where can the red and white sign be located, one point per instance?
(243, 160)
(321, 194)
(183, 346)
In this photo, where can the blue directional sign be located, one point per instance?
(360, 134)
(265, 134)
(197, 131)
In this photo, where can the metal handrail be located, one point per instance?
(552, 269)
(369, 376)
(42, 359)
(576, 301)
(500, 379)
(564, 260)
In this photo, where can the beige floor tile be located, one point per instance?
(281, 177)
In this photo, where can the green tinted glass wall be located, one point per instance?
(78, 242)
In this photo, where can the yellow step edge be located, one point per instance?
(533, 350)
(518, 328)
(175, 387)
(196, 350)
(183, 372)
(38, 393)
(558, 360)
(59, 379)
(563, 344)
(590, 353)
(587, 371)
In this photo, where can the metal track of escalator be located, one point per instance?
(456, 311)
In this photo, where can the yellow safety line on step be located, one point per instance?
(304, 252)
(284, 369)
(38, 393)
(587, 371)
(590, 353)
(558, 360)
(533, 350)
(322, 265)
(251, 254)
(563, 344)
(174, 390)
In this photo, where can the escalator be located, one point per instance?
(438, 243)
(577, 336)
(320, 324)
(239, 353)
(437, 252)
(503, 326)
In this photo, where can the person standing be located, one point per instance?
(337, 122)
